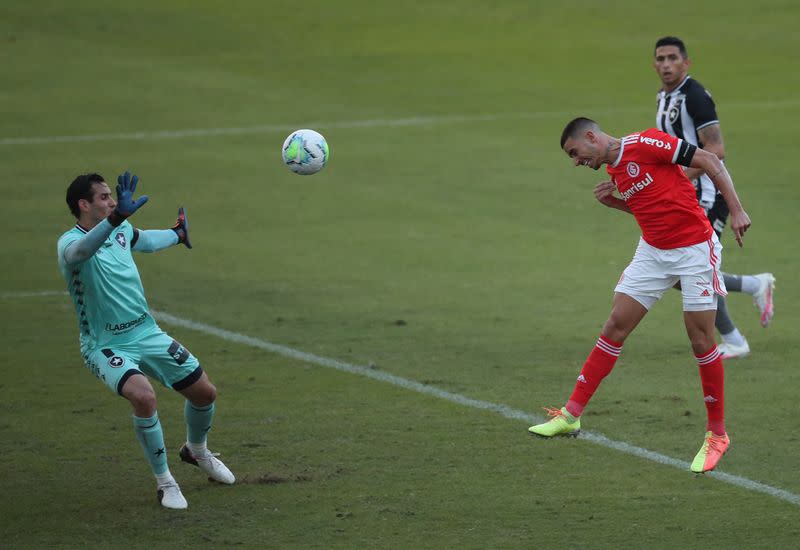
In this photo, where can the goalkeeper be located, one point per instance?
(119, 339)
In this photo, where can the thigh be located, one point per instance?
(113, 366)
(626, 314)
(168, 361)
(701, 279)
(647, 277)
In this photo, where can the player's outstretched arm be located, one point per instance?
(153, 240)
(126, 205)
(84, 248)
(711, 138)
(711, 165)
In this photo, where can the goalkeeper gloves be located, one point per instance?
(126, 206)
(181, 228)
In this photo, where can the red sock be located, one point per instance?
(712, 378)
(597, 366)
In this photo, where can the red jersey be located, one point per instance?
(660, 196)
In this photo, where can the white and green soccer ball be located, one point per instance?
(305, 152)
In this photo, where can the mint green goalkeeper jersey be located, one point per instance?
(106, 290)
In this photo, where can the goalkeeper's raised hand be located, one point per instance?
(181, 228)
(126, 205)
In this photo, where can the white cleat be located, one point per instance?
(170, 496)
(210, 464)
(729, 351)
(763, 298)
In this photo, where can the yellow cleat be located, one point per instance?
(560, 423)
(709, 454)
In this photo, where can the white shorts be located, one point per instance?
(654, 271)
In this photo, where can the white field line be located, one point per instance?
(499, 408)
(273, 128)
(367, 123)
(33, 294)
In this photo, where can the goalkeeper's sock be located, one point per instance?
(198, 423)
(597, 366)
(151, 437)
(165, 478)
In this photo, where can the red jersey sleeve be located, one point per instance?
(658, 146)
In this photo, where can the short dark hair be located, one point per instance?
(671, 41)
(81, 188)
(575, 127)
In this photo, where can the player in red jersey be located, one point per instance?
(678, 244)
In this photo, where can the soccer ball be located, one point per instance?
(305, 152)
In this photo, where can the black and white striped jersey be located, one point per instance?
(681, 113)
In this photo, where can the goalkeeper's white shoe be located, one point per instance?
(210, 464)
(170, 496)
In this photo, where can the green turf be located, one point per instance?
(459, 250)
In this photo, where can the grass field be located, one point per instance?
(448, 243)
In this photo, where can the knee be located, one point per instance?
(143, 400)
(211, 393)
(702, 338)
(614, 330)
(701, 343)
(204, 395)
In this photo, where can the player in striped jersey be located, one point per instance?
(686, 111)
(677, 245)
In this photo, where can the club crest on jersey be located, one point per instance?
(633, 169)
(673, 114)
(675, 110)
(116, 362)
(120, 238)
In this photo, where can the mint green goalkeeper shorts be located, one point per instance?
(155, 354)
